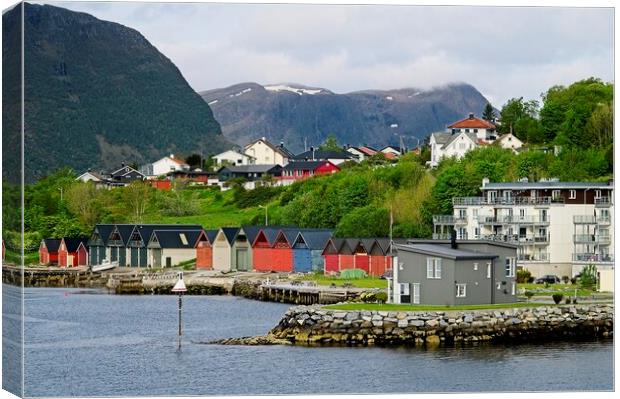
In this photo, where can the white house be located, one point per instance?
(232, 157)
(391, 152)
(265, 153)
(91, 176)
(510, 141)
(164, 166)
(460, 138)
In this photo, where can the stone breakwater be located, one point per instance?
(315, 325)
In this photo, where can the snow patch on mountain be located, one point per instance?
(296, 90)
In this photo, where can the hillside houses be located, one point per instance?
(465, 135)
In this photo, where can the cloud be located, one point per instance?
(504, 51)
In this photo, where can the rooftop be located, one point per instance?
(471, 122)
(443, 251)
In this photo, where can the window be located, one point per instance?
(573, 194)
(555, 194)
(475, 130)
(461, 290)
(533, 193)
(492, 196)
(477, 232)
(433, 268)
(183, 238)
(510, 267)
(489, 270)
(475, 212)
(416, 292)
(597, 194)
(466, 130)
(475, 266)
(462, 213)
(462, 146)
(404, 293)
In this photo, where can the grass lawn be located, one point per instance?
(407, 307)
(367, 282)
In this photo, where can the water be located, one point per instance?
(85, 343)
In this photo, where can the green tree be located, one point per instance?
(368, 221)
(520, 118)
(330, 143)
(489, 113)
(599, 129)
(83, 200)
(566, 110)
(136, 197)
(194, 161)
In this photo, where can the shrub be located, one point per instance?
(588, 277)
(567, 301)
(575, 300)
(529, 295)
(565, 279)
(557, 298)
(523, 276)
(381, 297)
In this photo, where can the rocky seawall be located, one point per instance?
(316, 325)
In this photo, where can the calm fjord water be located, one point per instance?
(85, 343)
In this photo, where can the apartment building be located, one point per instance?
(559, 227)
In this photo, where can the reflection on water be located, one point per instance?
(126, 345)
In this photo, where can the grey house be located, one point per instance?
(445, 272)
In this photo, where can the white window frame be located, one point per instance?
(573, 194)
(489, 270)
(433, 268)
(513, 290)
(461, 290)
(597, 193)
(510, 267)
(476, 266)
(403, 288)
(415, 293)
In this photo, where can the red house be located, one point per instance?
(48, 251)
(330, 255)
(282, 254)
(346, 255)
(204, 249)
(298, 170)
(362, 257)
(263, 250)
(72, 252)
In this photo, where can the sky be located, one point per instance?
(504, 52)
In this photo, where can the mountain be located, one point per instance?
(97, 94)
(293, 113)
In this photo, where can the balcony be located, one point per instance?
(591, 239)
(448, 220)
(591, 219)
(532, 239)
(593, 258)
(447, 236)
(468, 201)
(602, 201)
(540, 257)
(513, 220)
(584, 219)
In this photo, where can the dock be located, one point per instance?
(307, 293)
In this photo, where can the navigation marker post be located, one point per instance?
(180, 288)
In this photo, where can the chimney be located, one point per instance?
(312, 149)
(122, 164)
(281, 144)
(453, 243)
(172, 156)
(485, 181)
(471, 115)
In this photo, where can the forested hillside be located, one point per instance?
(97, 94)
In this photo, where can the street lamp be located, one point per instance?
(266, 215)
(180, 288)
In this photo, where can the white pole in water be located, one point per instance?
(180, 288)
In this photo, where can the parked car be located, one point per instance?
(548, 278)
